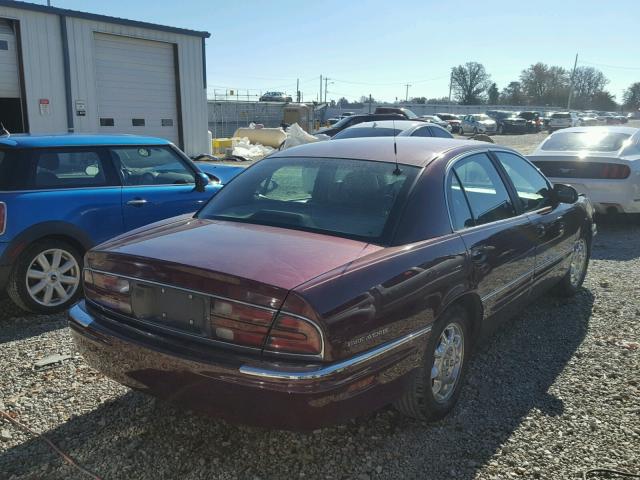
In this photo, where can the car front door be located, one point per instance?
(556, 224)
(157, 184)
(499, 238)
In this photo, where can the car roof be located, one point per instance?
(395, 124)
(612, 128)
(77, 140)
(416, 151)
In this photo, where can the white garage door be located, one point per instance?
(136, 81)
(9, 80)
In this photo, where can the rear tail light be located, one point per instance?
(292, 334)
(108, 290)
(615, 171)
(239, 323)
(3, 217)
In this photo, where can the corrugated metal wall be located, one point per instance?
(44, 74)
(43, 68)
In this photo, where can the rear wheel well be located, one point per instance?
(63, 238)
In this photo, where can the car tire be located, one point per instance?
(424, 398)
(573, 279)
(461, 131)
(30, 277)
(475, 130)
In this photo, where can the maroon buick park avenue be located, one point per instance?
(331, 279)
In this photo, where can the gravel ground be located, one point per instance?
(553, 392)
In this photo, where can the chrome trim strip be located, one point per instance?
(6, 217)
(323, 372)
(510, 284)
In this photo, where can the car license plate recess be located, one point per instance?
(170, 307)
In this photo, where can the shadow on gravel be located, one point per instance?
(616, 239)
(134, 436)
(15, 324)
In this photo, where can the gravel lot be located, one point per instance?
(554, 392)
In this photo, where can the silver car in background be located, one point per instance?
(601, 162)
(477, 123)
(560, 120)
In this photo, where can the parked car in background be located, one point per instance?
(63, 194)
(560, 120)
(588, 120)
(275, 97)
(452, 120)
(347, 122)
(390, 128)
(219, 172)
(331, 279)
(607, 118)
(347, 114)
(619, 118)
(600, 162)
(533, 119)
(405, 112)
(333, 120)
(477, 123)
(546, 117)
(507, 122)
(437, 120)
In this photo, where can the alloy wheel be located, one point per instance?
(578, 262)
(447, 362)
(53, 277)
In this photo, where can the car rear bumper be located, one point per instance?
(622, 196)
(243, 389)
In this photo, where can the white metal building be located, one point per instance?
(68, 71)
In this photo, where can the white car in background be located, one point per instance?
(478, 123)
(601, 162)
(560, 120)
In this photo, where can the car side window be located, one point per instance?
(461, 216)
(151, 165)
(534, 192)
(440, 132)
(68, 168)
(422, 132)
(485, 190)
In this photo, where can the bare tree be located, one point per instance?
(545, 85)
(470, 81)
(513, 94)
(631, 97)
(587, 82)
(494, 94)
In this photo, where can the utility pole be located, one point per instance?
(573, 73)
(326, 79)
(406, 96)
(320, 89)
(297, 90)
(370, 102)
(450, 87)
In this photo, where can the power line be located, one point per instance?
(609, 66)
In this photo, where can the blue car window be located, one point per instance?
(68, 168)
(149, 165)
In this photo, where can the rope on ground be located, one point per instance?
(53, 446)
(608, 471)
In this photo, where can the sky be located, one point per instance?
(377, 47)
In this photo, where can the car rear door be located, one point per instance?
(499, 238)
(157, 184)
(556, 225)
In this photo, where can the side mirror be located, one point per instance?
(565, 193)
(201, 181)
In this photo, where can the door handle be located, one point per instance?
(137, 202)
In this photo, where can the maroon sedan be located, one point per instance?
(331, 279)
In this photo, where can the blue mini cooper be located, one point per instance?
(62, 194)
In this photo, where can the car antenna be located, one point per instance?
(397, 171)
(4, 131)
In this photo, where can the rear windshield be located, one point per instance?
(357, 132)
(349, 198)
(596, 141)
(560, 115)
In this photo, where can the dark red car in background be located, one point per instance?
(327, 280)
